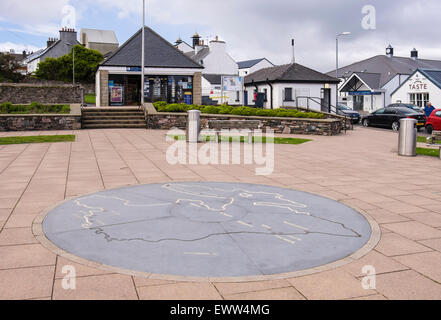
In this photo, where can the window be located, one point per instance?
(419, 99)
(265, 91)
(381, 111)
(237, 96)
(390, 111)
(438, 113)
(288, 94)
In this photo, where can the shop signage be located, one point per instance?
(364, 93)
(133, 69)
(231, 83)
(418, 85)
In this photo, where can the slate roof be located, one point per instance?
(433, 75)
(213, 78)
(250, 63)
(159, 53)
(289, 73)
(373, 80)
(388, 67)
(199, 56)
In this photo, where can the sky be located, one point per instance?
(251, 28)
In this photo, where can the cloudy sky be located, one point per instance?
(252, 28)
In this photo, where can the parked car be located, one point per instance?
(390, 118)
(406, 105)
(434, 121)
(345, 111)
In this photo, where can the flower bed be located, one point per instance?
(237, 111)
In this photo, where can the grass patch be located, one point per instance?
(90, 99)
(237, 111)
(37, 139)
(427, 152)
(34, 108)
(424, 140)
(277, 140)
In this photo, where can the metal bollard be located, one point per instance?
(193, 126)
(407, 140)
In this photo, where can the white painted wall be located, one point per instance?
(184, 47)
(392, 85)
(299, 89)
(218, 61)
(33, 66)
(403, 93)
(214, 91)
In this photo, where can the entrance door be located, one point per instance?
(358, 103)
(245, 98)
(326, 101)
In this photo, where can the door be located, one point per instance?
(436, 120)
(245, 98)
(389, 116)
(358, 103)
(377, 118)
(326, 100)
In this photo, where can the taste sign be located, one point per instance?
(417, 85)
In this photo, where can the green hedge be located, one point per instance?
(33, 108)
(240, 111)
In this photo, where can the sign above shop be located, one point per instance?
(418, 85)
(133, 69)
(364, 93)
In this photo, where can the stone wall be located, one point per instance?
(326, 127)
(23, 93)
(104, 88)
(39, 122)
(197, 88)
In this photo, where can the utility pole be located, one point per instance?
(336, 67)
(143, 54)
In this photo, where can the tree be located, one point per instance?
(60, 69)
(8, 67)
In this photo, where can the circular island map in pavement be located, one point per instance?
(207, 229)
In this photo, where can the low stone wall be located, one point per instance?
(326, 127)
(25, 93)
(30, 122)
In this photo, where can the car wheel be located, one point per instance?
(365, 123)
(429, 129)
(395, 126)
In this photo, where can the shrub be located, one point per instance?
(33, 108)
(240, 111)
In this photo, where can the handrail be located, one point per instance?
(333, 109)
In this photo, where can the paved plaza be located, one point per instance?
(359, 169)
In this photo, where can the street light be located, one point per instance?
(346, 33)
(142, 54)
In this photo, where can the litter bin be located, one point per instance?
(193, 126)
(407, 140)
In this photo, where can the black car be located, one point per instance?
(390, 118)
(345, 111)
(406, 105)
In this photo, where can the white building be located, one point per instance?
(250, 66)
(423, 86)
(104, 41)
(367, 85)
(217, 63)
(291, 85)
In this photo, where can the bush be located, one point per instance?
(34, 108)
(240, 111)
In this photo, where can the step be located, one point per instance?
(122, 122)
(99, 114)
(113, 126)
(113, 118)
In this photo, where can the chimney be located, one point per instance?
(414, 54)
(68, 35)
(390, 51)
(196, 39)
(51, 41)
(218, 45)
(293, 58)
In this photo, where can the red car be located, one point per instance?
(434, 121)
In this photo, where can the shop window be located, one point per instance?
(419, 99)
(288, 94)
(265, 91)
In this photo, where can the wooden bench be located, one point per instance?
(436, 136)
(248, 125)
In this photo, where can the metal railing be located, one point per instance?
(333, 109)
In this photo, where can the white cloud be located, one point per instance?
(17, 47)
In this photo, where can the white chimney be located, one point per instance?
(218, 45)
(293, 58)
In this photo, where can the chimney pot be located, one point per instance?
(414, 54)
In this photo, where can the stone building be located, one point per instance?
(169, 74)
(104, 41)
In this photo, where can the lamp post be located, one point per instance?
(143, 54)
(346, 33)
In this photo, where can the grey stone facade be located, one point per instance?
(39, 122)
(325, 127)
(23, 93)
